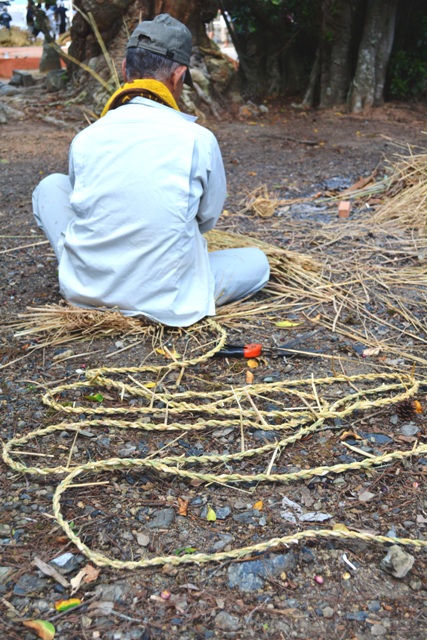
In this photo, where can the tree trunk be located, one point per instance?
(335, 52)
(374, 52)
(214, 72)
(334, 62)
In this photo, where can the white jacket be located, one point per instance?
(147, 182)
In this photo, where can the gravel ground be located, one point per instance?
(316, 589)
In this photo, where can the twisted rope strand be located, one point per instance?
(220, 407)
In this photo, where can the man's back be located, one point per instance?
(146, 180)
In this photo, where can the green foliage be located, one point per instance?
(250, 16)
(408, 75)
(408, 67)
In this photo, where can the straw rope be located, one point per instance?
(392, 388)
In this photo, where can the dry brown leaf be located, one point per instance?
(182, 507)
(43, 629)
(252, 363)
(86, 575)
(418, 407)
(350, 434)
(249, 377)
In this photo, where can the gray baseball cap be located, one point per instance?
(167, 37)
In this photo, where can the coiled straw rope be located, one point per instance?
(220, 406)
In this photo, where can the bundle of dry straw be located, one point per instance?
(407, 208)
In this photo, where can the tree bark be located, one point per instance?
(367, 86)
(335, 52)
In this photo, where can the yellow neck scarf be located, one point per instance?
(152, 89)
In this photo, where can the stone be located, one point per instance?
(66, 563)
(328, 612)
(225, 539)
(4, 573)
(359, 616)
(265, 436)
(374, 606)
(378, 630)
(397, 562)
(227, 621)
(3, 114)
(248, 576)
(248, 517)
(56, 80)
(21, 79)
(161, 519)
(245, 112)
(112, 592)
(50, 59)
(409, 429)
(28, 584)
(6, 89)
(306, 555)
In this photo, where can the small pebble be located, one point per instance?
(378, 630)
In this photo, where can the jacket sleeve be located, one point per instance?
(214, 191)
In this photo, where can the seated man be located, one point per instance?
(145, 182)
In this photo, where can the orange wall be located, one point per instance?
(7, 65)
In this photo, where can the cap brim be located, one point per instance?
(188, 79)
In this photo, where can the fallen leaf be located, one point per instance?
(249, 377)
(252, 363)
(186, 551)
(374, 351)
(182, 507)
(196, 482)
(258, 505)
(52, 572)
(44, 629)
(408, 439)
(172, 354)
(418, 407)
(62, 356)
(65, 605)
(86, 575)
(286, 324)
(286, 502)
(340, 527)
(350, 434)
(314, 516)
(211, 515)
(365, 496)
(149, 385)
(97, 397)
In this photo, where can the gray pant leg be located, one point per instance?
(238, 273)
(52, 209)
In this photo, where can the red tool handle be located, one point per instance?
(240, 351)
(252, 350)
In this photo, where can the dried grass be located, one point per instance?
(407, 206)
(63, 322)
(260, 202)
(362, 278)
